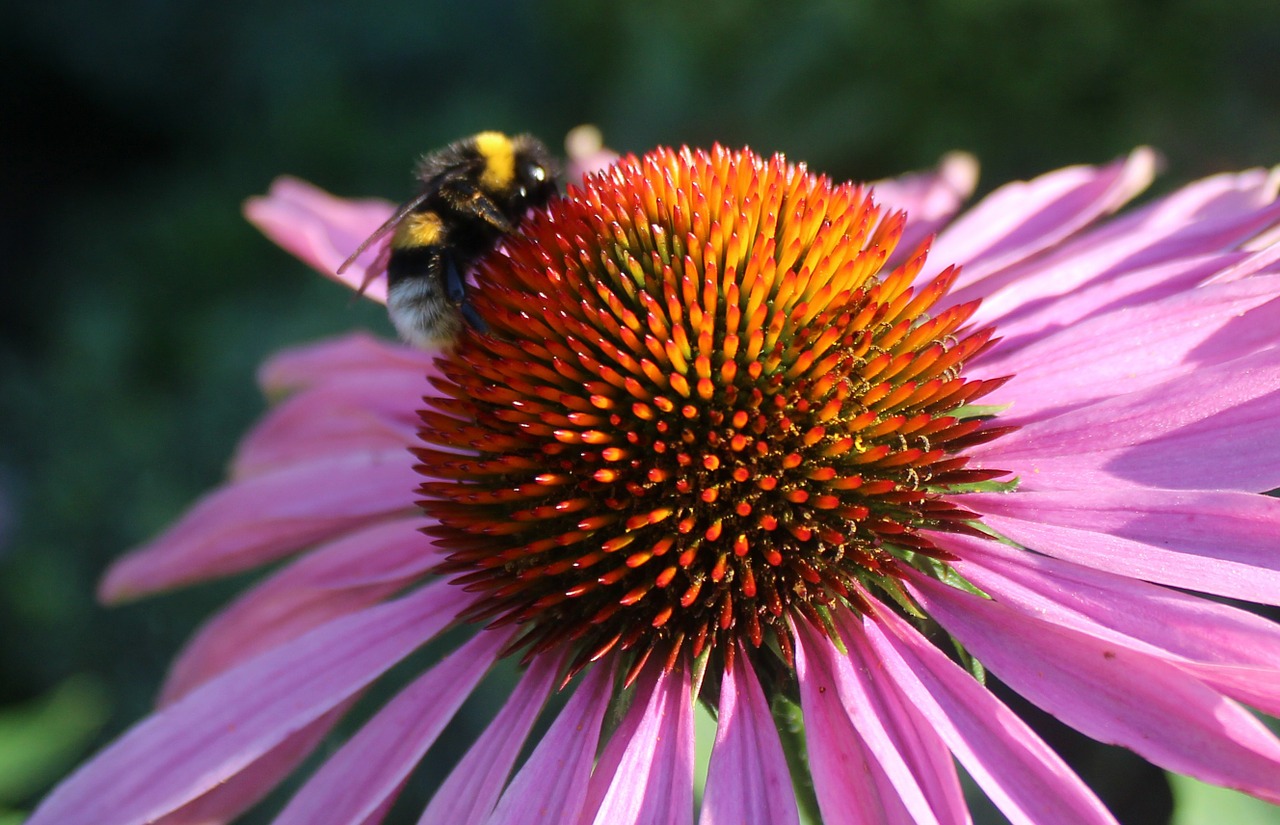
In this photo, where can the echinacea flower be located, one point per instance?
(732, 435)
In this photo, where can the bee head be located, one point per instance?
(535, 171)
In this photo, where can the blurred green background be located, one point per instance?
(137, 302)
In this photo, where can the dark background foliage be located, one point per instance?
(137, 303)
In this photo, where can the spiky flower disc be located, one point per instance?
(703, 409)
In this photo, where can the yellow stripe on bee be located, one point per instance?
(499, 160)
(418, 229)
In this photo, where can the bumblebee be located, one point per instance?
(471, 193)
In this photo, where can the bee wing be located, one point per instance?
(382, 231)
(375, 269)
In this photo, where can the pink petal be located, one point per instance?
(1218, 212)
(892, 726)
(748, 782)
(1140, 347)
(552, 785)
(190, 747)
(645, 775)
(1020, 773)
(244, 790)
(355, 355)
(611, 758)
(587, 153)
(855, 781)
(380, 814)
(1086, 272)
(255, 521)
(1020, 219)
(371, 767)
(1112, 693)
(1235, 651)
(320, 229)
(1225, 194)
(1221, 543)
(1034, 319)
(346, 576)
(468, 796)
(372, 412)
(1265, 261)
(1156, 237)
(929, 198)
(1212, 428)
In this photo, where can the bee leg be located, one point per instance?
(455, 287)
(473, 318)
(467, 198)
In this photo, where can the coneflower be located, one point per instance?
(732, 436)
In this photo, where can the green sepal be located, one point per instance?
(946, 574)
(700, 669)
(969, 663)
(984, 487)
(893, 589)
(790, 723)
(829, 625)
(967, 411)
(620, 699)
(998, 536)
